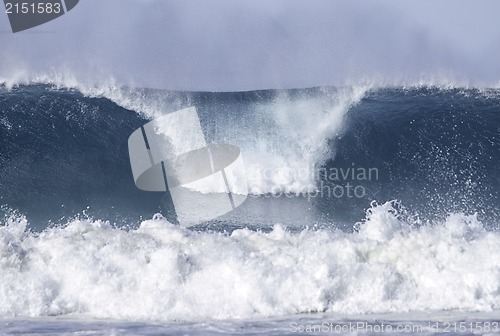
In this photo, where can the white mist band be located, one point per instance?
(171, 154)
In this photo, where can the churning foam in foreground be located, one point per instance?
(162, 271)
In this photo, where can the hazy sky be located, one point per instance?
(255, 44)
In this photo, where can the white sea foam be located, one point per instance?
(297, 133)
(161, 271)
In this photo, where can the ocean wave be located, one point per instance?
(434, 148)
(283, 136)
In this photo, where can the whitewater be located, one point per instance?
(160, 271)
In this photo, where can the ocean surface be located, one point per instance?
(373, 206)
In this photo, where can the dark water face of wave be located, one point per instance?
(64, 154)
(436, 151)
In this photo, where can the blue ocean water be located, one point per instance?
(366, 204)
